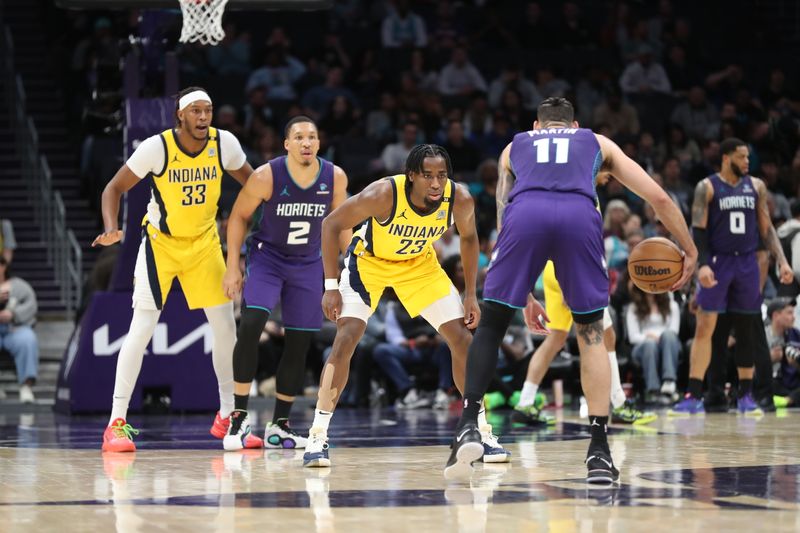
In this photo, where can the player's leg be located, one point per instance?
(717, 373)
(153, 278)
(623, 410)
(361, 287)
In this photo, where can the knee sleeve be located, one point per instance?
(292, 366)
(245, 353)
(746, 338)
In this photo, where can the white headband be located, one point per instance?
(193, 96)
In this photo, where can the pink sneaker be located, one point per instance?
(118, 437)
(220, 427)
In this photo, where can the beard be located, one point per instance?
(738, 172)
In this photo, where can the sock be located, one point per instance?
(695, 388)
(129, 361)
(617, 393)
(598, 427)
(240, 402)
(472, 406)
(223, 328)
(482, 417)
(282, 408)
(745, 387)
(322, 419)
(528, 395)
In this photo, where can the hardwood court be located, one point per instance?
(722, 472)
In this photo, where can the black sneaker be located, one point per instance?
(767, 404)
(601, 467)
(466, 448)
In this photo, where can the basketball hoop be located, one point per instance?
(202, 21)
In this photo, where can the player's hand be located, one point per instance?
(689, 266)
(472, 312)
(535, 316)
(108, 238)
(706, 277)
(332, 304)
(786, 273)
(232, 283)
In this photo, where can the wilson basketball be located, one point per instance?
(655, 264)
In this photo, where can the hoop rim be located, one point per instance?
(259, 5)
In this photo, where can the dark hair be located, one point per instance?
(555, 109)
(730, 145)
(641, 307)
(180, 95)
(416, 157)
(297, 120)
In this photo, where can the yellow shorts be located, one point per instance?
(418, 282)
(197, 263)
(555, 306)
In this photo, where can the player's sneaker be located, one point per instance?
(492, 451)
(687, 407)
(240, 435)
(220, 426)
(747, 406)
(531, 416)
(494, 400)
(781, 402)
(317, 449)
(628, 414)
(466, 448)
(118, 437)
(280, 435)
(600, 467)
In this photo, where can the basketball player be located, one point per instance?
(728, 213)
(402, 215)
(295, 192)
(179, 239)
(527, 411)
(552, 215)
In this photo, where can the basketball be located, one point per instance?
(655, 264)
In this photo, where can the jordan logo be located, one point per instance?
(175, 159)
(285, 191)
(402, 215)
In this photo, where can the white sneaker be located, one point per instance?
(492, 451)
(240, 435)
(668, 388)
(412, 400)
(442, 400)
(277, 436)
(26, 394)
(317, 449)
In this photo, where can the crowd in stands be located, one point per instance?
(662, 79)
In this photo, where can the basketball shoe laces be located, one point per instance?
(124, 431)
(488, 437)
(283, 424)
(318, 441)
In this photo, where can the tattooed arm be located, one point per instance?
(703, 194)
(769, 234)
(505, 180)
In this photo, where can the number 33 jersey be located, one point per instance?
(408, 233)
(290, 222)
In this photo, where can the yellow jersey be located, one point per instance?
(407, 233)
(184, 195)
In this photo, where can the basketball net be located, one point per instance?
(202, 21)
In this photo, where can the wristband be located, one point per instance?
(331, 284)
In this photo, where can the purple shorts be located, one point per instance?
(295, 281)
(738, 287)
(538, 226)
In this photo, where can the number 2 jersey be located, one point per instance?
(186, 186)
(732, 217)
(290, 222)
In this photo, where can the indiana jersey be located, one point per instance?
(732, 217)
(184, 195)
(555, 159)
(408, 232)
(291, 220)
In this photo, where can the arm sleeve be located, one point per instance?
(394, 335)
(148, 157)
(635, 335)
(674, 323)
(25, 310)
(233, 157)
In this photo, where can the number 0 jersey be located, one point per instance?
(184, 195)
(407, 233)
(732, 219)
(290, 222)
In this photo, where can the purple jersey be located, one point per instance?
(732, 219)
(539, 160)
(291, 220)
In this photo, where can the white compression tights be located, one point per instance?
(143, 323)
